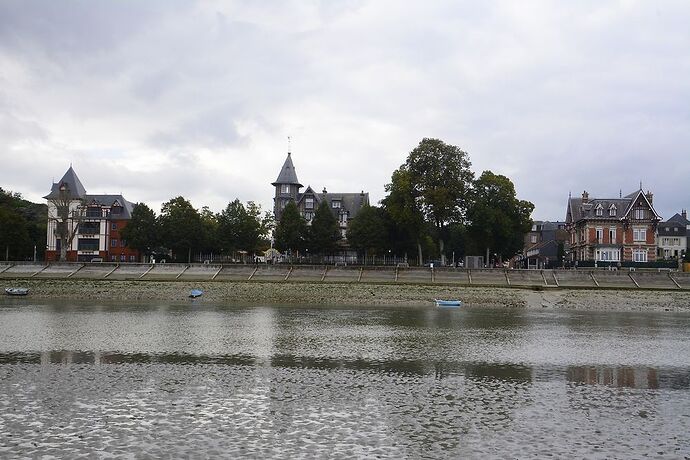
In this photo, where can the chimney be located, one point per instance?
(684, 213)
(324, 191)
(650, 196)
(585, 197)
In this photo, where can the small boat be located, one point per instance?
(194, 293)
(16, 291)
(448, 303)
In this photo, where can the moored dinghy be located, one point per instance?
(448, 303)
(16, 291)
(194, 293)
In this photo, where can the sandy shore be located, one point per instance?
(361, 294)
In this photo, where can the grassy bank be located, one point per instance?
(365, 294)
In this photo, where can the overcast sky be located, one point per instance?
(155, 99)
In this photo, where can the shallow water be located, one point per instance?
(199, 380)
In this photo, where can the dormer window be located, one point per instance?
(335, 204)
(612, 210)
(640, 214)
(599, 210)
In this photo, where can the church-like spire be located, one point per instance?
(287, 173)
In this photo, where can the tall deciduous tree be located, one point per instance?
(22, 227)
(181, 227)
(291, 231)
(325, 232)
(497, 219)
(142, 231)
(367, 231)
(441, 180)
(241, 228)
(404, 210)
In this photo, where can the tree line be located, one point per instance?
(22, 227)
(435, 208)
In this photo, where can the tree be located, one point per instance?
(14, 234)
(22, 227)
(210, 226)
(290, 233)
(367, 231)
(404, 212)
(441, 179)
(142, 232)
(241, 228)
(181, 227)
(67, 211)
(325, 232)
(498, 220)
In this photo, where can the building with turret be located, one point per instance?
(93, 223)
(344, 206)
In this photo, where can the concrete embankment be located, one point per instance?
(319, 285)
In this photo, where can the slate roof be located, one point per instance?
(72, 184)
(678, 218)
(351, 202)
(579, 210)
(287, 173)
(109, 200)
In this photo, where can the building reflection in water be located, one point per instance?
(620, 377)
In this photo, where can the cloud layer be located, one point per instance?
(163, 98)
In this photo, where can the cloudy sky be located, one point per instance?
(155, 99)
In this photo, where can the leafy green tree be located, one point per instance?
(22, 227)
(441, 181)
(498, 220)
(181, 227)
(210, 225)
(367, 231)
(242, 228)
(142, 232)
(291, 232)
(325, 231)
(403, 213)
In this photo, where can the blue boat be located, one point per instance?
(448, 303)
(194, 293)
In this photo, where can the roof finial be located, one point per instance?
(289, 145)
(640, 185)
(620, 193)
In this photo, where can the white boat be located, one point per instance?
(448, 303)
(16, 291)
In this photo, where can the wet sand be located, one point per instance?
(360, 294)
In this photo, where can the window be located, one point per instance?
(116, 210)
(640, 214)
(112, 258)
(600, 235)
(609, 255)
(87, 244)
(600, 210)
(285, 188)
(309, 203)
(132, 259)
(533, 239)
(123, 243)
(639, 255)
(309, 216)
(93, 211)
(612, 235)
(639, 234)
(335, 204)
(612, 210)
(113, 243)
(123, 258)
(89, 228)
(343, 218)
(114, 226)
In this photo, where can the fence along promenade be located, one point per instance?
(535, 279)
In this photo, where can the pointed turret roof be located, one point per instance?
(71, 184)
(287, 173)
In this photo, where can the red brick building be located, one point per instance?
(612, 229)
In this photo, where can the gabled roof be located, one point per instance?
(71, 184)
(634, 197)
(287, 173)
(351, 202)
(679, 219)
(309, 191)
